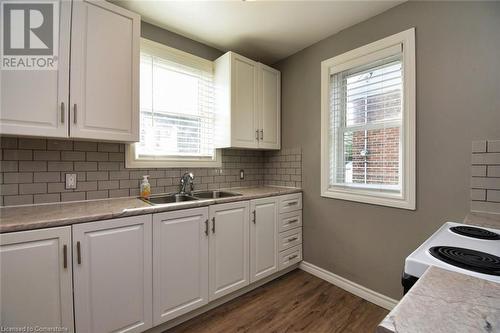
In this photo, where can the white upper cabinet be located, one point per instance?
(103, 102)
(35, 102)
(104, 72)
(248, 107)
(269, 107)
(112, 271)
(36, 279)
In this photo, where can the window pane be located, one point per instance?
(146, 82)
(374, 95)
(177, 110)
(174, 92)
(371, 157)
(365, 121)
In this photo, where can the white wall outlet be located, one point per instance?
(71, 181)
(242, 174)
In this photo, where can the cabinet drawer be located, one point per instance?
(289, 239)
(290, 256)
(289, 221)
(290, 202)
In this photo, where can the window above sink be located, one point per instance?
(177, 116)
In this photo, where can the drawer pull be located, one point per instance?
(292, 203)
(65, 256)
(62, 112)
(293, 221)
(254, 217)
(78, 253)
(293, 257)
(292, 239)
(74, 114)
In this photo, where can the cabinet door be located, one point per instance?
(269, 107)
(244, 117)
(228, 263)
(35, 102)
(36, 286)
(263, 238)
(180, 263)
(104, 72)
(113, 275)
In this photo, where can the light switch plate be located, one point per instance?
(71, 181)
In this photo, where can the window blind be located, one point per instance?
(365, 125)
(176, 107)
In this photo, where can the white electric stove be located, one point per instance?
(457, 247)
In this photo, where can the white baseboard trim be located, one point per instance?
(352, 287)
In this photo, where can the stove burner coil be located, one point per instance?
(475, 232)
(472, 260)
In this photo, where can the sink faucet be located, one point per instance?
(186, 183)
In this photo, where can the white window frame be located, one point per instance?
(188, 59)
(406, 198)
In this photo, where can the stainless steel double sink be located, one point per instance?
(162, 199)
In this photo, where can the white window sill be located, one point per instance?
(132, 162)
(374, 197)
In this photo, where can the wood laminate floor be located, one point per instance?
(295, 302)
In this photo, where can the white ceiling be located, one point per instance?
(263, 30)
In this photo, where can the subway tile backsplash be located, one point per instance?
(33, 171)
(283, 168)
(485, 180)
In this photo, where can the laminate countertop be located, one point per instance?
(488, 220)
(60, 214)
(443, 301)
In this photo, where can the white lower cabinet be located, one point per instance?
(291, 256)
(132, 273)
(290, 230)
(180, 262)
(290, 238)
(229, 250)
(35, 275)
(263, 238)
(112, 267)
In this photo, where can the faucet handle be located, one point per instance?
(188, 174)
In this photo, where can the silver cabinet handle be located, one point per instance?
(213, 224)
(293, 257)
(291, 203)
(206, 227)
(65, 256)
(293, 221)
(292, 239)
(254, 217)
(62, 112)
(74, 113)
(262, 134)
(257, 134)
(78, 253)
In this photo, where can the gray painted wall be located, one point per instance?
(458, 100)
(179, 42)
